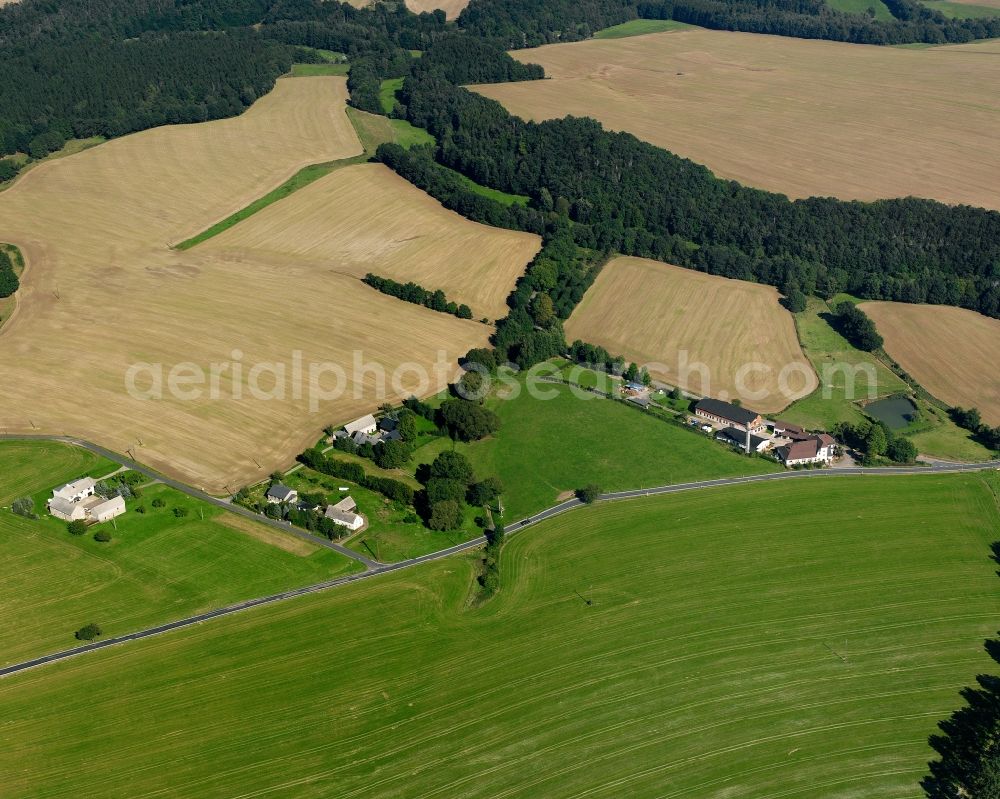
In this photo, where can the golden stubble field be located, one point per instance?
(366, 218)
(655, 313)
(795, 116)
(103, 292)
(952, 352)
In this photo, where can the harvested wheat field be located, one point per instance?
(952, 352)
(102, 292)
(794, 116)
(366, 218)
(451, 8)
(667, 317)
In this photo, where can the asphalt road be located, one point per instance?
(374, 568)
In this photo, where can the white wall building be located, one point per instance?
(366, 425)
(76, 491)
(107, 510)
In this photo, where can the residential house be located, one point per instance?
(366, 424)
(107, 510)
(281, 493)
(66, 509)
(727, 415)
(76, 491)
(819, 448)
(787, 429)
(343, 514)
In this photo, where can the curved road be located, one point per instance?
(374, 568)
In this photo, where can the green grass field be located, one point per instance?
(546, 447)
(387, 93)
(861, 7)
(797, 640)
(835, 361)
(314, 70)
(639, 27)
(493, 194)
(960, 10)
(157, 567)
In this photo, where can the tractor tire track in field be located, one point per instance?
(374, 568)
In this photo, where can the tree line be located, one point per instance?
(8, 278)
(619, 194)
(971, 420)
(418, 295)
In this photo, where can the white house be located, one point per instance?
(107, 510)
(343, 514)
(814, 449)
(366, 425)
(281, 493)
(75, 491)
(66, 509)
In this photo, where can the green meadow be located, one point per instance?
(797, 640)
(548, 447)
(157, 567)
(639, 27)
(880, 9)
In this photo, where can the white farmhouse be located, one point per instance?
(343, 514)
(107, 510)
(76, 491)
(366, 425)
(66, 509)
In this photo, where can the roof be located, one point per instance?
(800, 450)
(346, 504)
(388, 424)
(364, 423)
(360, 437)
(63, 506)
(342, 516)
(114, 503)
(642, 402)
(826, 439)
(727, 411)
(788, 426)
(740, 437)
(83, 484)
(280, 492)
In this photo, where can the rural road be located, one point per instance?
(374, 568)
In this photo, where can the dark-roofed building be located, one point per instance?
(738, 439)
(728, 415)
(779, 426)
(281, 493)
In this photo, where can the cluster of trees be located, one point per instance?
(412, 292)
(449, 484)
(88, 632)
(24, 506)
(876, 441)
(8, 169)
(529, 23)
(391, 489)
(972, 421)
(856, 326)
(627, 196)
(489, 576)
(8, 279)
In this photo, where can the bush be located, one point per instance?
(88, 632)
(180, 513)
(588, 493)
(25, 506)
(103, 536)
(140, 509)
(77, 527)
(159, 502)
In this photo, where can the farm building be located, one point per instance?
(343, 514)
(738, 439)
(281, 493)
(787, 428)
(66, 509)
(723, 413)
(75, 491)
(107, 510)
(366, 425)
(811, 449)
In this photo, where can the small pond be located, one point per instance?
(896, 412)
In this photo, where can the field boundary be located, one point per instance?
(373, 568)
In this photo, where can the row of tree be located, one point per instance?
(972, 421)
(621, 194)
(8, 278)
(412, 292)
(856, 326)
